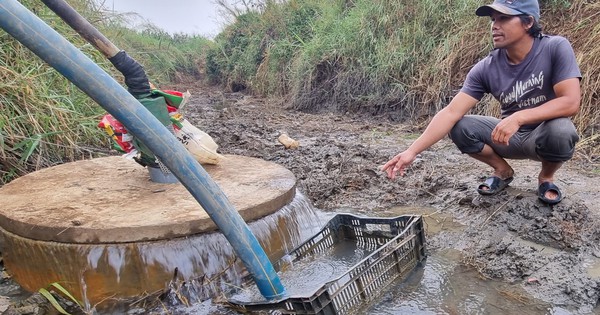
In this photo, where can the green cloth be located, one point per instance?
(157, 105)
(171, 99)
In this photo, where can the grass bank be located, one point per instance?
(46, 120)
(400, 59)
(403, 59)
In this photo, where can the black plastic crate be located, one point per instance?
(397, 245)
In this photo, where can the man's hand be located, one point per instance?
(506, 129)
(398, 164)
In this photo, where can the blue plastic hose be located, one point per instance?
(51, 47)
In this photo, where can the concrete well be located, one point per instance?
(106, 232)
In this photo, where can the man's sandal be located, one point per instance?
(493, 185)
(546, 187)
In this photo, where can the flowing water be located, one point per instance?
(445, 285)
(306, 222)
(441, 285)
(304, 277)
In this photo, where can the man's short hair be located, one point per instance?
(535, 30)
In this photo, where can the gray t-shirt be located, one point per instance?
(528, 84)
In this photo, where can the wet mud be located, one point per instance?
(551, 252)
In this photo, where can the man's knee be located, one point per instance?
(556, 143)
(463, 136)
(460, 130)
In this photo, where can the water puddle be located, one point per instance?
(592, 267)
(441, 285)
(304, 277)
(435, 220)
(542, 249)
(444, 286)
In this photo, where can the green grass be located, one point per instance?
(44, 119)
(405, 59)
(401, 59)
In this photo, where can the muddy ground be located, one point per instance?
(338, 166)
(553, 252)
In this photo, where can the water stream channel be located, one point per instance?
(444, 284)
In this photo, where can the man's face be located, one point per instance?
(507, 30)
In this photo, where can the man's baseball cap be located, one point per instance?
(511, 7)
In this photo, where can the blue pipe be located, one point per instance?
(50, 46)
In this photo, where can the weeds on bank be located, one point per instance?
(44, 292)
(584, 33)
(405, 59)
(46, 120)
(42, 117)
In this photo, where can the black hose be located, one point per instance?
(135, 76)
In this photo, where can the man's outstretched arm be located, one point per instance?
(438, 127)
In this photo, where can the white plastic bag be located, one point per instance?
(198, 143)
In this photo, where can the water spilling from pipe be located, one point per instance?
(302, 278)
(442, 286)
(196, 267)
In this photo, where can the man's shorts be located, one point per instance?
(553, 140)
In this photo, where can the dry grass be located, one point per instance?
(580, 23)
(513, 296)
(44, 119)
(403, 59)
(470, 260)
